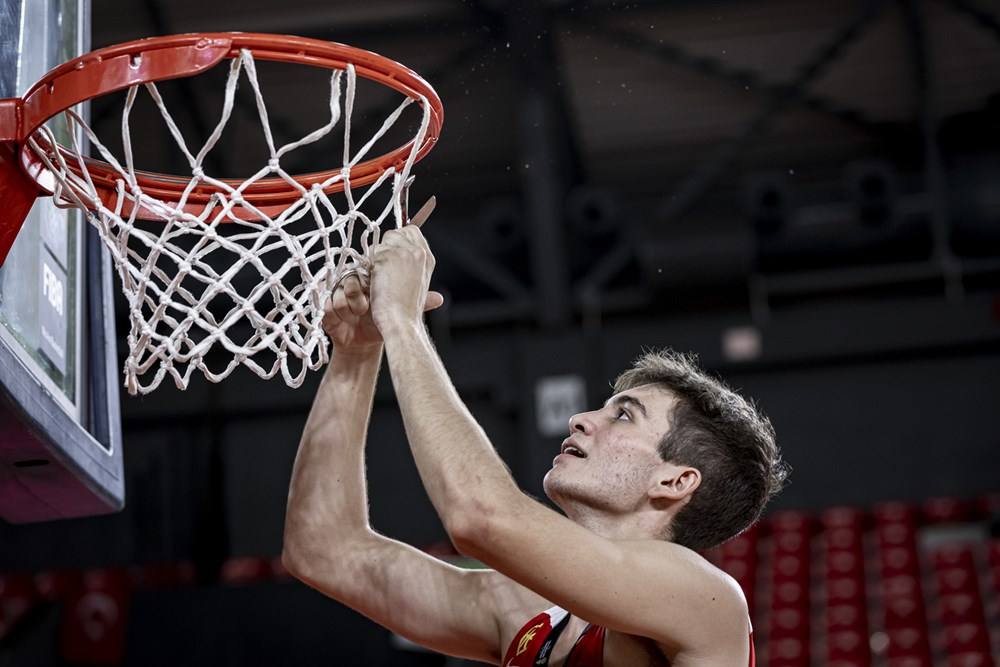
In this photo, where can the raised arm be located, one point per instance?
(647, 588)
(328, 541)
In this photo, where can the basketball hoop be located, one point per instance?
(167, 278)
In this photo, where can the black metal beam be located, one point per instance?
(545, 165)
(690, 191)
(981, 17)
(478, 265)
(187, 98)
(738, 76)
(934, 177)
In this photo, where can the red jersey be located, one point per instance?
(532, 645)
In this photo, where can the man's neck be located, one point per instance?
(637, 526)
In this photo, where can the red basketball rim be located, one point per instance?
(142, 61)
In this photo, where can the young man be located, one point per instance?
(673, 462)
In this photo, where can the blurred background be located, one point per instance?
(804, 193)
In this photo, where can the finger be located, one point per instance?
(416, 237)
(354, 295)
(340, 308)
(433, 301)
(425, 212)
(395, 238)
(416, 240)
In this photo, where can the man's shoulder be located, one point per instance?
(696, 564)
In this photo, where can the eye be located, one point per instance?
(621, 414)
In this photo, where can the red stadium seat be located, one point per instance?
(966, 638)
(843, 517)
(914, 660)
(901, 585)
(743, 546)
(845, 590)
(895, 512)
(904, 612)
(840, 563)
(953, 556)
(58, 584)
(972, 659)
(899, 560)
(896, 534)
(788, 652)
(17, 596)
(791, 521)
(791, 543)
(789, 622)
(948, 510)
(956, 580)
(842, 539)
(246, 570)
(849, 646)
(958, 608)
(846, 617)
(790, 594)
(93, 629)
(993, 553)
(908, 642)
(790, 568)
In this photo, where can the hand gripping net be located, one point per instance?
(179, 274)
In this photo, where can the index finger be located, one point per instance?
(425, 212)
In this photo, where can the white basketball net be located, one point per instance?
(180, 307)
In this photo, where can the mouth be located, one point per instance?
(568, 447)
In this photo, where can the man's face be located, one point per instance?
(610, 460)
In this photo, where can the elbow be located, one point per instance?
(301, 550)
(472, 528)
(293, 559)
(289, 563)
(461, 528)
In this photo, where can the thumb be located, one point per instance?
(434, 300)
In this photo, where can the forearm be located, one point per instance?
(458, 465)
(328, 497)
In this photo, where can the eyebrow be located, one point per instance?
(627, 399)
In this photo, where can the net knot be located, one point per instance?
(238, 274)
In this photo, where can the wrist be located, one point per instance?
(398, 325)
(358, 353)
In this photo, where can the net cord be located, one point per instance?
(170, 289)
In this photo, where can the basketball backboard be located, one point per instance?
(60, 453)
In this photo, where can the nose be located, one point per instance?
(581, 423)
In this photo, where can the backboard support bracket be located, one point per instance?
(17, 195)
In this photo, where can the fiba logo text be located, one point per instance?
(52, 288)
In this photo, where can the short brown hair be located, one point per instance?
(720, 433)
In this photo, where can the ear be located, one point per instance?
(674, 482)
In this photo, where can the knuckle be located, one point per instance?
(352, 288)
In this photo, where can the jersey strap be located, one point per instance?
(533, 643)
(588, 651)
